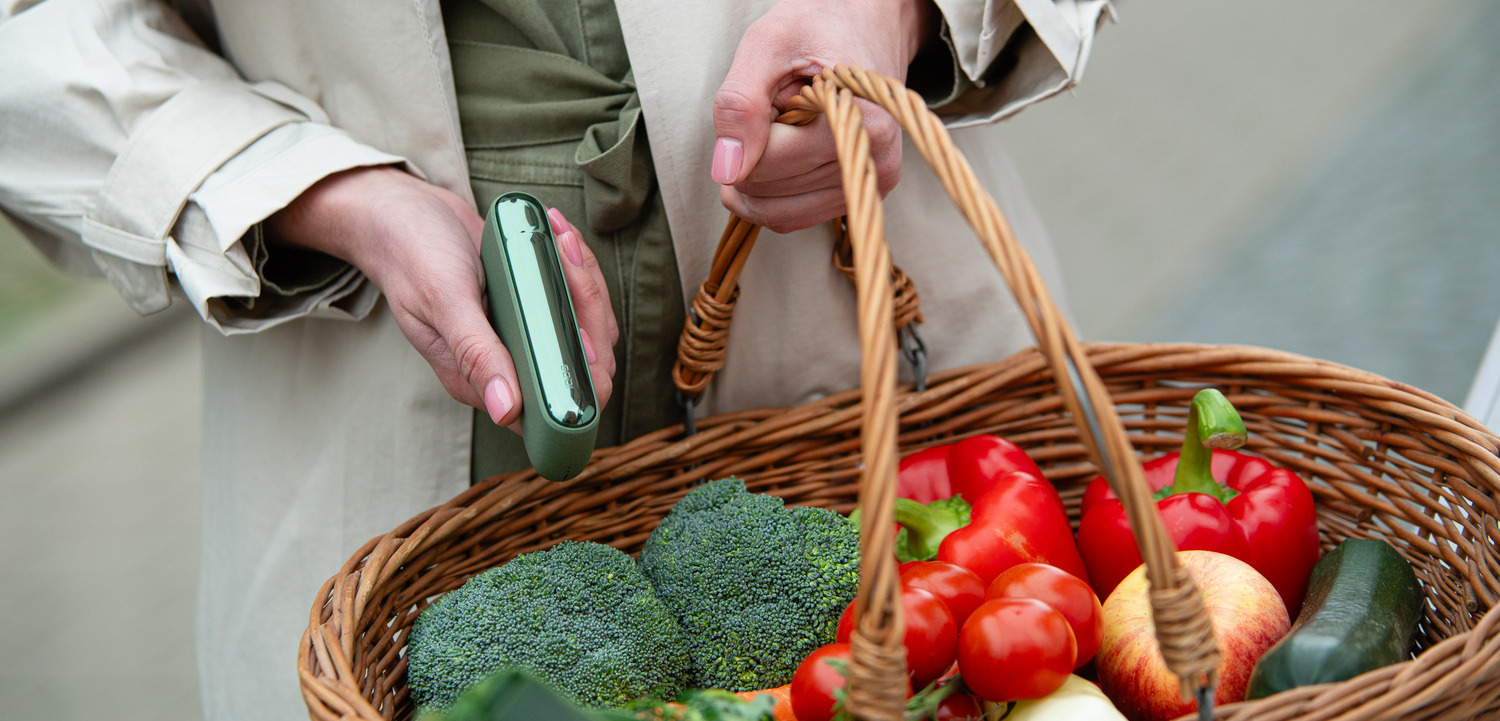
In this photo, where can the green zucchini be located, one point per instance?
(1362, 606)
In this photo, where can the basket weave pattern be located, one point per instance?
(1383, 460)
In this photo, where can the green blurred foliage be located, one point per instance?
(29, 285)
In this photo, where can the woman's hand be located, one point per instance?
(784, 177)
(420, 245)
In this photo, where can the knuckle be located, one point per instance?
(882, 128)
(587, 295)
(472, 355)
(733, 103)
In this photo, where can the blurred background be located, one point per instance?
(1319, 177)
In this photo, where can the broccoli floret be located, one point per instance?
(579, 616)
(756, 586)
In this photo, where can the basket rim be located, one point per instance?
(1462, 662)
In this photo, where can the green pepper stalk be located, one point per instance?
(1212, 423)
(924, 526)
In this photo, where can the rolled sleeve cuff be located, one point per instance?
(219, 255)
(1010, 54)
(182, 203)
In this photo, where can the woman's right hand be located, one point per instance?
(419, 244)
(787, 178)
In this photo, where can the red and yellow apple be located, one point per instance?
(1248, 617)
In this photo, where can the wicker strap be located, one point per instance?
(1183, 626)
(700, 349)
(908, 305)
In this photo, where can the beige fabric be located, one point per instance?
(319, 432)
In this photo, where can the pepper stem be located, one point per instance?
(924, 526)
(1212, 423)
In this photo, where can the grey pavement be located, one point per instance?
(1326, 173)
(1331, 166)
(99, 539)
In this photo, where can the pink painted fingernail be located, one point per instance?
(559, 223)
(497, 400)
(728, 155)
(570, 248)
(588, 346)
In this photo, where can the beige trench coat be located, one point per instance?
(130, 150)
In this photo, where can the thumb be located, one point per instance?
(483, 362)
(743, 112)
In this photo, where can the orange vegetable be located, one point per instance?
(782, 710)
(783, 696)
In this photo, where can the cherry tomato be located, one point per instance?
(816, 682)
(1015, 648)
(1069, 594)
(955, 585)
(959, 707)
(931, 634)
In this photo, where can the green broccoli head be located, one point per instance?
(578, 616)
(756, 586)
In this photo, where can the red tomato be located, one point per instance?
(957, 586)
(1057, 588)
(816, 682)
(931, 634)
(959, 707)
(1015, 648)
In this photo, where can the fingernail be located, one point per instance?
(570, 248)
(588, 346)
(497, 400)
(728, 155)
(559, 223)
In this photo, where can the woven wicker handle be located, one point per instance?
(878, 669)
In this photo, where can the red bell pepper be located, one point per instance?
(952, 468)
(977, 462)
(1256, 512)
(1015, 516)
(923, 476)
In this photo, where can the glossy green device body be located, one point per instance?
(533, 315)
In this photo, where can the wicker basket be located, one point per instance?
(1383, 460)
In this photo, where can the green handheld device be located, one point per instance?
(533, 315)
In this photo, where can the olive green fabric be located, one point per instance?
(547, 105)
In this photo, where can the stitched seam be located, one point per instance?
(583, 34)
(163, 227)
(628, 316)
(454, 131)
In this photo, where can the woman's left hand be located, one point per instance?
(784, 177)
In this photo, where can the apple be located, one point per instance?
(1248, 617)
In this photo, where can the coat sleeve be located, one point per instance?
(1004, 55)
(133, 152)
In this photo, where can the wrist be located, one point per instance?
(332, 215)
